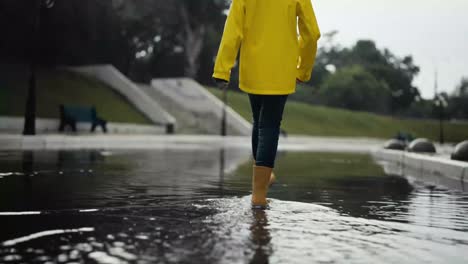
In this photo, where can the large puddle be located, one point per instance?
(192, 206)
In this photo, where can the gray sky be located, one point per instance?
(434, 32)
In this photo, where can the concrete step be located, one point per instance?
(196, 109)
(109, 75)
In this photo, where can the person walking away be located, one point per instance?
(278, 46)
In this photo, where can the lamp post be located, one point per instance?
(223, 115)
(30, 109)
(441, 103)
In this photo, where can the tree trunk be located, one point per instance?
(194, 39)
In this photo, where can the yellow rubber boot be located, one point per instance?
(272, 177)
(260, 183)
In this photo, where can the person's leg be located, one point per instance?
(269, 124)
(255, 105)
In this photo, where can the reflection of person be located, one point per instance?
(260, 235)
(272, 59)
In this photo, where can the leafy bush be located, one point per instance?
(356, 89)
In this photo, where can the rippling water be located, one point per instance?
(192, 206)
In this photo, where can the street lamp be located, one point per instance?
(30, 111)
(441, 103)
(223, 115)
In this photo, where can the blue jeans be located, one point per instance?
(267, 111)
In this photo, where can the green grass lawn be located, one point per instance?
(304, 119)
(57, 87)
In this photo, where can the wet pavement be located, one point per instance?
(192, 206)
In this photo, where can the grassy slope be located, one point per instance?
(304, 119)
(58, 86)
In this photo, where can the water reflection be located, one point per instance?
(85, 161)
(429, 178)
(27, 173)
(28, 162)
(295, 232)
(260, 236)
(176, 205)
(353, 184)
(222, 170)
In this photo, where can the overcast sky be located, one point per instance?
(434, 32)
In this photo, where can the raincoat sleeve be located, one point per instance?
(231, 41)
(309, 34)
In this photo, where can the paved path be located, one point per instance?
(296, 143)
(14, 125)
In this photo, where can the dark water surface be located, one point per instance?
(191, 205)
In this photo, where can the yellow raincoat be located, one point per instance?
(272, 54)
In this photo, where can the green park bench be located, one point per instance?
(404, 136)
(70, 115)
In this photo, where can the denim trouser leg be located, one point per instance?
(267, 111)
(256, 106)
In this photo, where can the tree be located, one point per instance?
(397, 73)
(356, 89)
(174, 37)
(458, 101)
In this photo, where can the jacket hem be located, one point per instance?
(246, 89)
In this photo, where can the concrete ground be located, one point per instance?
(294, 143)
(14, 125)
